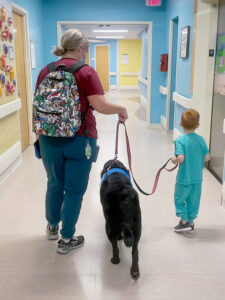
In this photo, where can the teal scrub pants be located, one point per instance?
(187, 201)
(68, 171)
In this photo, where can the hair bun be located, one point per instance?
(59, 51)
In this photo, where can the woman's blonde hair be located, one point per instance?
(190, 119)
(71, 40)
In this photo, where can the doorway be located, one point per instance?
(87, 60)
(217, 140)
(172, 72)
(21, 75)
(102, 65)
(88, 26)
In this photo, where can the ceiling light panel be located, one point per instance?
(111, 30)
(109, 37)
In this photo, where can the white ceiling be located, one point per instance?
(133, 29)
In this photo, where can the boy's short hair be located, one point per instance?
(190, 119)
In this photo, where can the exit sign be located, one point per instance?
(153, 2)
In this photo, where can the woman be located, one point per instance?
(66, 160)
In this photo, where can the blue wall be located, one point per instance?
(184, 9)
(144, 63)
(174, 69)
(178, 109)
(144, 49)
(35, 21)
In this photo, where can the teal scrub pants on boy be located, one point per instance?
(68, 171)
(187, 201)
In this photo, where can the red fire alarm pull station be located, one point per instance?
(163, 63)
(153, 2)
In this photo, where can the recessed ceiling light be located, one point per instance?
(110, 30)
(109, 37)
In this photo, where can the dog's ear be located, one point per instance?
(134, 196)
(118, 164)
(105, 167)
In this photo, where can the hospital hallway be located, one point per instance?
(172, 266)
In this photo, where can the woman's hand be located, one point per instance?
(99, 103)
(123, 116)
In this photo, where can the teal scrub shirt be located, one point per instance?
(194, 149)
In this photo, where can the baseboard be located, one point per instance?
(176, 133)
(9, 156)
(143, 102)
(10, 160)
(163, 122)
(129, 87)
(155, 125)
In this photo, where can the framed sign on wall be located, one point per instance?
(185, 40)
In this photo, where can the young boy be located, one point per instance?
(191, 152)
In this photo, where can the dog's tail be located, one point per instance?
(127, 235)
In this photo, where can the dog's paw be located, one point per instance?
(135, 274)
(115, 260)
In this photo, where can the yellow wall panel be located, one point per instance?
(10, 131)
(129, 80)
(133, 49)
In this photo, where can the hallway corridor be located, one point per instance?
(172, 266)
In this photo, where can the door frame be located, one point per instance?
(106, 45)
(147, 23)
(24, 13)
(170, 59)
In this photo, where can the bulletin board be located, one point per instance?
(219, 82)
(8, 85)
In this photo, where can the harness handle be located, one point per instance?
(129, 161)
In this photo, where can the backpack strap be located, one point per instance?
(52, 67)
(75, 67)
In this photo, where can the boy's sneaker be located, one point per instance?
(52, 232)
(182, 227)
(74, 243)
(192, 228)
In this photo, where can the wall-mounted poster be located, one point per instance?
(125, 59)
(8, 90)
(219, 83)
(184, 44)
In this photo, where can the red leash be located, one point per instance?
(129, 161)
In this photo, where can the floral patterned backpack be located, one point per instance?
(56, 106)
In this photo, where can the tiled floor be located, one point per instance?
(173, 266)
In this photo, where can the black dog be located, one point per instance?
(122, 212)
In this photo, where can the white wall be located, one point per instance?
(206, 34)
